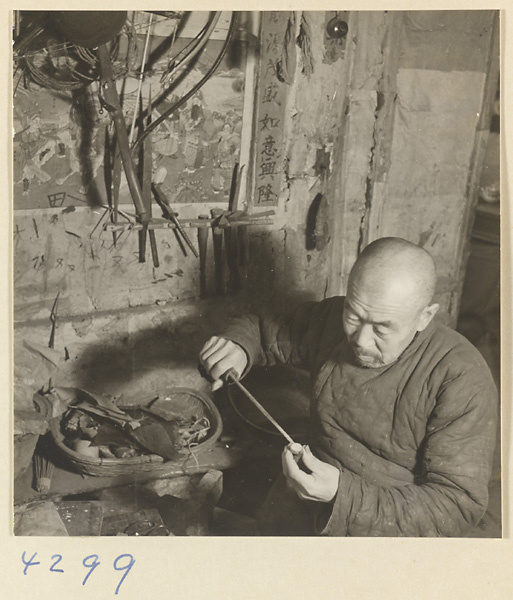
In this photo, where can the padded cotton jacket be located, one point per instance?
(413, 440)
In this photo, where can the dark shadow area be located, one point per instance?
(317, 224)
(285, 393)
(84, 115)
(270, 288)
(169, 346)
(479, 321)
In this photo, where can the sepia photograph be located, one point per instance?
(256, 273)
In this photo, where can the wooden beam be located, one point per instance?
(356, 139)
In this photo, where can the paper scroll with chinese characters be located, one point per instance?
(276, 65)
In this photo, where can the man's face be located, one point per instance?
(380, 322)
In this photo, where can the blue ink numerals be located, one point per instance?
(130, 561)
(31, 562)
(58, 558)
(122, 563)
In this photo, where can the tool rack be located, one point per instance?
(188, 223)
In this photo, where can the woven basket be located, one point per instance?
(188, 403)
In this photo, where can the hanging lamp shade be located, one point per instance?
(89, 28)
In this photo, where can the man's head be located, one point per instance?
(389, 299)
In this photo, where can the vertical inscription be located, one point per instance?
(271, 105)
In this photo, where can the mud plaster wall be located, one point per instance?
(290, 265)
(143, 328)
(121, 322)
(439, 114)
(416, 126)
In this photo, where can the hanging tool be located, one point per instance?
(141, 77)
(110, 100)
(243, 254)
(94, 29)
(203, 244)
(231, 247)
(234, 188)
(170, 214)
(218, 225)
(146, 188)
(231, 374)
(53, 319)
(115, 185)
(231, 237)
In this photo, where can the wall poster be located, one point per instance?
(60, 126)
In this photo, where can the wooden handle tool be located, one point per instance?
(203, 244)
(110, 100)
(170, 214)
(147, 172)
(217, 234)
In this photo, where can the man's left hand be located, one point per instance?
(320, 485)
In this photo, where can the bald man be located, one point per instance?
(404, 409)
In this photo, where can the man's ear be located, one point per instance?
(427, 315)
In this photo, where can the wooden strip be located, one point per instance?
(270, 111)
(196, 223)
(383, 130)
(246, 155)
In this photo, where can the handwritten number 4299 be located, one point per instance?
(124, 562)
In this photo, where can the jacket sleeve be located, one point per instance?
(293, 338)
(451, 493)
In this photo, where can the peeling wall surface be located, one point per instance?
(440, 85)
(312, 129)
(65, 252)
(378, 139)
(416, 102)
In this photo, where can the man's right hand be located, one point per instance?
(219, 356)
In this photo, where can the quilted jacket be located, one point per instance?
(413, 440)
